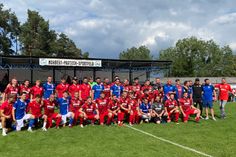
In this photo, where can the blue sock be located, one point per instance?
(71, 121)
(31, 122)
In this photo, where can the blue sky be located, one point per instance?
(106, 27)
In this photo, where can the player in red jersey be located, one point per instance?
(49, 110)
(6, 114)
(11, 88)
(74, 87)
(36, 90)
(147, 86)
(135, 114)
(136, 87)
(171, 107)
(224, 90)
(75, 106)
(35, 108)
(187, 108)
(85, 90)
(146, 94)
(107, 88)
(102, 104)
(24, 88)
(126, 86)
(124, 108)
(91, 111)
(62, 87)
(113, 108)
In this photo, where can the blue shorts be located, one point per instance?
(207, 104)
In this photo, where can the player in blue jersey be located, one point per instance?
(117, 89)
(208, 96)
(145, 110)
(64, 104)
(19, 113)
(48, 88)
(97, 88)
(168, 89)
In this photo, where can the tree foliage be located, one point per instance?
(141, 53)
(194, 57)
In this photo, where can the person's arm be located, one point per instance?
(13, 114)
(3, 115)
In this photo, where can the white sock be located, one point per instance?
(29, 127)
(44, 124)
(4, 130)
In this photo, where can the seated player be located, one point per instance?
(187, 108)
(158, 111)
(35, 108)
(145, 110)
(6, 114)
(171, 108)
(19, 112)
(102, 104)
(135, 114)
(124, 108)
(91, 111)
(113, 108)
(64, 104)
(75, 106)
(49, 110)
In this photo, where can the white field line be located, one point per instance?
(170, 142)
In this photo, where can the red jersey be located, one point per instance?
(72, 89)
(7, 108)
(185, 103)
(35, 108)
(85, 91)
(37, 90)
(124, 102)
(102, 105)
(147, 96)
(24, 89)
(127, 88)
(107, 90)
(134, 104)
(145, 87)
(61, 88)
(224, 90)
(49, 107)
(113, 105)
(11, 90)
(136, 88)
(75, 105)
(89, 109)
(170, 104)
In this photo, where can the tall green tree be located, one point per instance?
(195, 57)
(9, 30)
(141, 53)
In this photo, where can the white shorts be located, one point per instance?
(64, 117)
(20, 122)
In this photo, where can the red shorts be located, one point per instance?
(102, 116)
(188, 113)
(91, 116)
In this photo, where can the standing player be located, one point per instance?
(117, 89)
(171, 108)
(178, 90)
(187, 108)
(36, 90)
(224, 90)
(102, 104)
(6, 114)
(49, 110)
(168, 89)
(11, 88)
(62, 87)
(74, 87)
(75, 106)
(24, 88)
(19, 112)
(35, 108)
(85, 90)
(64, 105)
(126, 85)
(48, 88)
(107, 88)
(136, 88)
(91, 111)
(145, 111)
(208, 93)
(197, 94)
(187, 88)
(97, 89)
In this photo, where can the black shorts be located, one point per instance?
(8, 123)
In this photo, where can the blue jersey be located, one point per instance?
(145, 107)
(207, 92)
(167, 89)
(64, 105)
(20, 109)
(117, 90)
(97, 90)
(48, 90)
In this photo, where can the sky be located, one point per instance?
(104, 28)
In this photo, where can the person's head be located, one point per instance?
(49, 79)
(136, 80)
(14, 82)
(223, 80)
(145, 100)
(11, 98)
(74, 80)
(85, 80)
(186, 83)
(38, 82)
(157, 99)
(147, 82)
(126, 82)
(90, 79)
(207, 81)
(113, 96)
(185, 94)
(65, 94)
(26, 83)
(52, 97)
(172, 96)
(98, 80)
(76, 94)
(38, 98)
(89, 100)
(177, 81)
(197, 81)
(117, 81)
(106, 80)
(116, 77)
(63, 80)
(131, 94)
(102, 95)
(124, 94)
(158, 80)
(190, 82)
(145, 91)
(160, 89)
(169, 82)
(23, 96)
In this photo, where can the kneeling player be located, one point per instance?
(91, 111)
(158, 111)
(145, 110)
(49, 107)
(113, 108)
(171, 108)
(135, 114)
(188, 109)
(35, 108)
(6, 114)
(102, 104)
(124, 108)
(75, 106)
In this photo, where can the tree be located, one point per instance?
(194, 57)
(9, 30)
(141, 53)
